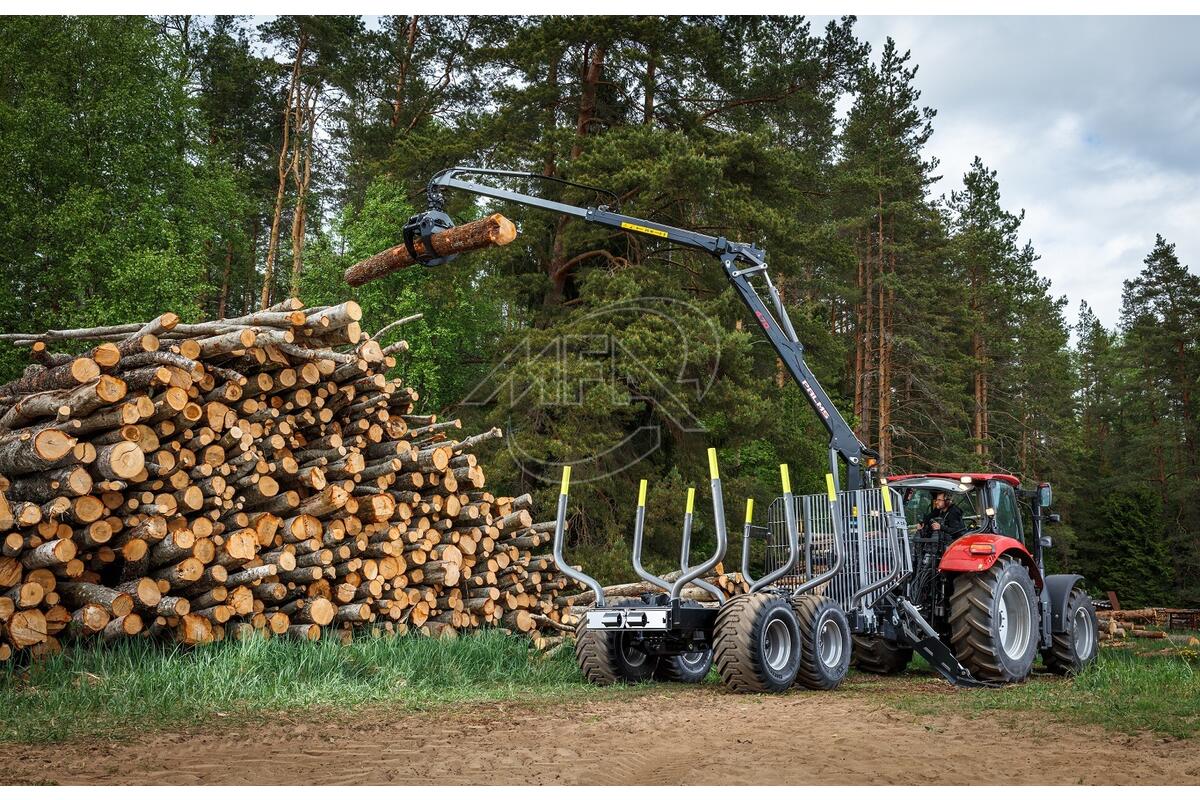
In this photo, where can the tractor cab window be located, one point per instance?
(919, 500)
(1008, 516)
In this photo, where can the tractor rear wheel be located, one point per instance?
(1074, 648)
(994, 622)
(824, 642)
(691, 667)
(879, 655)
(608, 657)
(756, 643)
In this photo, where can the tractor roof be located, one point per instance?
(976, 477)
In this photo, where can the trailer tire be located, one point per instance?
(824, 643)
(692, 667)
(756, 643)
(1074, 648)
(606, 657)
(880, 656)
(994, 622)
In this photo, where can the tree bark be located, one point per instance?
(492, 231)
(282, 168)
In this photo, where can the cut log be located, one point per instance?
(24, 453)
(120, 461)
(27, 628)
(492, 231)
(114, 602)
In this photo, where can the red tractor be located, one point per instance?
(980, 583)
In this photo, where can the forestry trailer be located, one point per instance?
(849, 573)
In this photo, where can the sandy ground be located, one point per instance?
(675, 735)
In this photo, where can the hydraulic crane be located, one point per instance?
(743, 265)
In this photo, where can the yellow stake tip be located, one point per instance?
(691, 501)
(642, 493)
(566, 479)
(712, 463)
(787, 479)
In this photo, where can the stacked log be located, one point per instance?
(257, 476)
(1131, 624)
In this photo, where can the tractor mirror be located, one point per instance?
(1046, 541)
(1044, 495)
(1054, 518)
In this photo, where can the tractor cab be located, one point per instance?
(987, 501)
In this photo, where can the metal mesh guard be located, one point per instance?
(876, 552)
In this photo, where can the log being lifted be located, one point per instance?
(492, 231)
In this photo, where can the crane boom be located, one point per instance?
(742, 264)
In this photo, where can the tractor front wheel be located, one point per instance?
(994, 622)
(1074, 648)
(756, 643)
(608, 657)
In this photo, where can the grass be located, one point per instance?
(1122, 691)
(141, 686)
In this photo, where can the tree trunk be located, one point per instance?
(590, 79)
(405, 64)
(306, 134)
(223, 302)
(649, 87)
(282, 168)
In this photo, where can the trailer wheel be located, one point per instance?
(756, 643)
(608, 657)
(994, 622)
(824, 642)
(1074, 648)
(691, 667)
(879, 655)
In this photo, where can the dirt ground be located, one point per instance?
(675, 735)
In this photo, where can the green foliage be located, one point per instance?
(1128, 554)
(109, 214)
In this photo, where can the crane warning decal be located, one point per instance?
(643, 229)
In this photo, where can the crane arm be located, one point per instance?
(743, 263)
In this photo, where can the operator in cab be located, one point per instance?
(944, 517)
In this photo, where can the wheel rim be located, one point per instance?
(633, 657)
(695, 658)
(1015, 620)
(1082, 634)
(830, 644)
(778, 644)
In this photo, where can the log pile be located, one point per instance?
(1131, 624)
(258, 476)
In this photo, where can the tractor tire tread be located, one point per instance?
(971, 624)
(1060, 657)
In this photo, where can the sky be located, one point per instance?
(1092, 124)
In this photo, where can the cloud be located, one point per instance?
(1090, 122)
